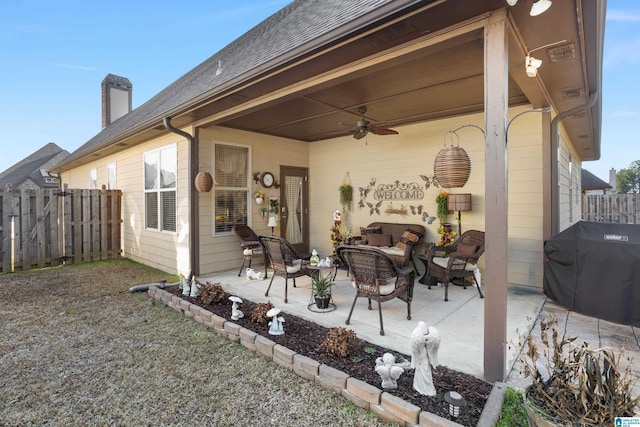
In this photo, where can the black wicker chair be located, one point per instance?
(285, 261)
(458, 261)
(250, 246)
(376, 276)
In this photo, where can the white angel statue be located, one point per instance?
(425, 343)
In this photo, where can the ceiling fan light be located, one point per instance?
(512, 2)
(539, 7)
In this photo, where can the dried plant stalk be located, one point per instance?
(337, 341)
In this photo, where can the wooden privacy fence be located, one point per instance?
(40, 228)
(623, 208)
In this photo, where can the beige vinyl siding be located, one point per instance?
(164, 250)
(569, 183)
(267, 153)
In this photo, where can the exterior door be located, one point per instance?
(294, 209)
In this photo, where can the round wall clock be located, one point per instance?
(266, 179)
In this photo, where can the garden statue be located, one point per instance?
(186, 289)
(325, 262)
(425, 343)
(235, 311)
(194, 288)
(314, 258)
(275, 325)
(389, 370)
(254, 275)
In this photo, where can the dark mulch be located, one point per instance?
(305, 337)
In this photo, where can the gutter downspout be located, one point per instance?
(192, 193)
(555, 190)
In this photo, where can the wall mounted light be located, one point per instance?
(532, 64)
(537, 8)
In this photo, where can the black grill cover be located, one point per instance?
(593, 268)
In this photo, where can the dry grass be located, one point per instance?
(76, 348)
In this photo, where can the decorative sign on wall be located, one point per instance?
(398, 191)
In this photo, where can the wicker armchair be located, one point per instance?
(250, 246)
(458, 261)
(377, 277)
(285, 261)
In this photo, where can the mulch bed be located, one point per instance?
(305, 337)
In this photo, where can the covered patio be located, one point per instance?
(460, 320)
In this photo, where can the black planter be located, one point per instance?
(322, 302)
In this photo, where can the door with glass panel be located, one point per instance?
(294, 209)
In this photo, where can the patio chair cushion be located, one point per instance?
(443, 262)
(379, 239)
(252, 251)
(386, 286)
(466, 249)
(393, 251)
(295, 267)
(365, 231)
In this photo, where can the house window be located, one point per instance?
(232, 186)
(111, 176)
(160, 173)
(93, 176)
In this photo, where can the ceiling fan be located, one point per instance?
(364, 126)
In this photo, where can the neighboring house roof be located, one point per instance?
(592, 182)
(31, 167)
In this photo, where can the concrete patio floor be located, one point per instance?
(459, 320)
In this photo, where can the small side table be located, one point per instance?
(316, 271)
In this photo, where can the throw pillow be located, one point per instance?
(409, 235)
(379, 239)
(365, 231)
(466, 249)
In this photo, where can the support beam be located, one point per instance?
(496, 104)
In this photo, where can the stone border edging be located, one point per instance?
(388, 407)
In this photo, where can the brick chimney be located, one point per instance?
(116, 98)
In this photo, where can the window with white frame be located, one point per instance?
(160, 175)
(231, 192)
(93, 176)
(111, 176)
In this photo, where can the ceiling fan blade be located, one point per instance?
(384, 131)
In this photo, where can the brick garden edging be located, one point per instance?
(385, 405)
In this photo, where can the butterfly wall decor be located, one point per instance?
(426, 218)
(429, 181)
(374, 208)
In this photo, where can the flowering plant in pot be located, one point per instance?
(259, 196)
(575, 385)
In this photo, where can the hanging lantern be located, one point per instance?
(203, 182)
(452, 166)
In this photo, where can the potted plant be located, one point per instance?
(575, 385)
(321, 284)
(443, 210)
(346, 196)
(259, 196)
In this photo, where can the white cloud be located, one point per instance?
(622, 16)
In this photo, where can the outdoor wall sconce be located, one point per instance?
(537, 8)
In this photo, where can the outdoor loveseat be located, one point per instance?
(400, 241)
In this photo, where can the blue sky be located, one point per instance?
(54, 55)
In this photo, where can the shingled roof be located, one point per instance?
(591, 182)
(295, 31)
(31, 166)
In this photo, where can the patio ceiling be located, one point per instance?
(440, 80)
(423, 62)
